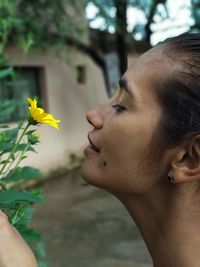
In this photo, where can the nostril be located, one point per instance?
(94, 118)
(88, 119)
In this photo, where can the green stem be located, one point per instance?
(9, 167)
(18, 161)
(14, 149)
(21, 156)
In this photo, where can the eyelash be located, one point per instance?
(118, 108)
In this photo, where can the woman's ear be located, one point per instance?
(185, 165)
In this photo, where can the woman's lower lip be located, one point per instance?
(90, 150)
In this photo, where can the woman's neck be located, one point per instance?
(169, 221)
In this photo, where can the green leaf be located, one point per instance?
(23, 173)
(37, 191)
(29, 234)
(6, 72)
(42, 263)
(28, 213)
(10, 196)
(18, 213)
(7, 111)
(4, 126)
(8, 107)
(7, 147)
(21, 147)
(40, 247)
(21, 215)
(7, 207)
(4, 161)
(30, 132)
(11, 134)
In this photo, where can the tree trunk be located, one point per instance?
(121, 33)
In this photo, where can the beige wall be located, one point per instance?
(66, 100)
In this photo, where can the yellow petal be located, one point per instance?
(38, 113)
(40, 116)
(32, 102)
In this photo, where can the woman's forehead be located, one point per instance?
(149, 67)
(153, 56)
(145, 74)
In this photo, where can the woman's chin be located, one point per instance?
(90, 175)
(86, 173)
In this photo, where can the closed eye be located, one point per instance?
(119, 108)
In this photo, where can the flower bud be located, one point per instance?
(33, 138)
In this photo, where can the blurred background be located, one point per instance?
(71, 54)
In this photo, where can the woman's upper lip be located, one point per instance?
(92, 144)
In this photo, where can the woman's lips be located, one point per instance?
(90, 150)
(92, 145)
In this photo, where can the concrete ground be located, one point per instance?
(87, 227)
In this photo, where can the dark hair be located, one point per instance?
(179, 92)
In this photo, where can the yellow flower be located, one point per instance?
(37, 115)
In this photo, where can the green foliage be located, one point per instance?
(6, 72)
(11, 197)
(22, 174)
(28, 23)
(17, 203)
(7, 108)
(14, 144)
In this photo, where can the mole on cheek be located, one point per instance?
(105, 163)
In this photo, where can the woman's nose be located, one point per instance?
(95, 118)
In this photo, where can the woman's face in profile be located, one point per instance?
(123, 129)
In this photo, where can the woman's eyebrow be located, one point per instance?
(124, 86)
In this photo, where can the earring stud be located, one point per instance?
(170, 178)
